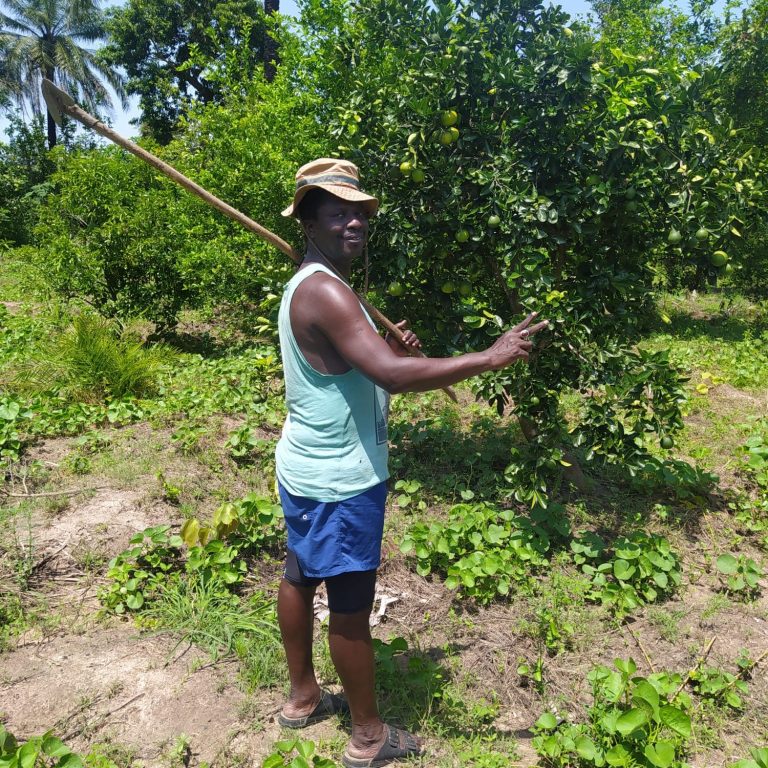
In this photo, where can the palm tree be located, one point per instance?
(46, 38)
(271, 58)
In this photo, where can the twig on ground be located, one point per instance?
(70, 492)
(697, 666)
(642, 648)
(99, 720)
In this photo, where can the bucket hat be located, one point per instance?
(339, 177)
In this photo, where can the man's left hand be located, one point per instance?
(410, 339)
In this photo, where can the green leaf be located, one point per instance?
(727, 564)
(273, 761)
(631, 720)
(299, 762)
(54, 747)
(676, 719)
(618, 755)
(646, 697)
(586, 748)
(661, 754)
(547, 722)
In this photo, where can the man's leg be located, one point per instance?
(349, 637)
(295, 616)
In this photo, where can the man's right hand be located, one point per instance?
(515, 344)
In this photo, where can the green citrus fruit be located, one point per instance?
(631, 205)
(718, 259)
(449, 117)
(406, 167)
(462, 236)
(447, 287)
(396, 289)
(666, 442)
(417, 175)
(593, 180)
(446, 138)
(465, 288)
(631, 193)
(674, 236)
(702, 234)
(493, 221)
(567, 31)
(534, 401)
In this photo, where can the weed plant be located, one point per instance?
(93, 361)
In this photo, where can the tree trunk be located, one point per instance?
(271, 56)
(51, 131)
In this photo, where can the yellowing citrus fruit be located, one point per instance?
(449, 117)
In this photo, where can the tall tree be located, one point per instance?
(48, 38)
(173, 52)
(271, 60)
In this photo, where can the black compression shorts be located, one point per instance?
(347, 593)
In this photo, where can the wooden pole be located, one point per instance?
(59, 102)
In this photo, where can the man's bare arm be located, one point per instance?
(336, 313)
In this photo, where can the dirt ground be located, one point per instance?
(101, 681)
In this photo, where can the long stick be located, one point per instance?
(59, 102)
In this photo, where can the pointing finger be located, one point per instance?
(528, 320)
(536, 328)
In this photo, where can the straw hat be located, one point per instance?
(339, 177)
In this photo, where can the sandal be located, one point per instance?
(329, 705)
(397, 745)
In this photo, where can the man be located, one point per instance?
(332, 456)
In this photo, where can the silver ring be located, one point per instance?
(524, 333)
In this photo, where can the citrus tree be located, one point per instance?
(521, 168)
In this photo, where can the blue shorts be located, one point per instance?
(334, 537)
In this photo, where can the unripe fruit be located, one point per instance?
(702, 234)
(447, 287)
(631, 193)
(449, 117)
(446, 138)
(417, 175)
(465, 289)
(719, 259)
(674, 236)
(666, 442)
(593, 180)
(462, 236)
(406, 167)
(396, 289)
(631, 205)
(534, 401)
(493, 221)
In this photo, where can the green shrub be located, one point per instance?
(92, 361)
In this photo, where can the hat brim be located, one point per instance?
(338, 190)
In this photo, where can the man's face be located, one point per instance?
(340, 229)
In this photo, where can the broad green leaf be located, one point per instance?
(618, 756)
(727, 564)
(586, 748)
(54, 747)
(547, 721)
(646, 697)
(676, 719)
(661, 754)
(631, 720)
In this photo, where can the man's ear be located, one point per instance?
(308, 225)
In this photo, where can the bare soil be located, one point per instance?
(97, 681)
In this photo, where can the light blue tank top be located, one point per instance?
(334, 440)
